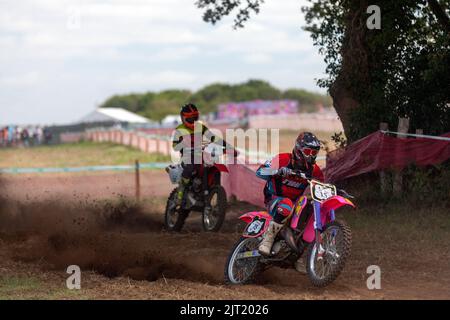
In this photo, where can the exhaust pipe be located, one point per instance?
(288, 235)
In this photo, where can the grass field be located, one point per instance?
(75, 154)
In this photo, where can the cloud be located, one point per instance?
(257, 58)
(159, 80)
(21, 80)
(87, 50)
(43, 28)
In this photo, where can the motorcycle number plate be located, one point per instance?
(321, 191)
(255, 227)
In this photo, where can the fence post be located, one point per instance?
(383, 176)
(137, 181)
(403, 126)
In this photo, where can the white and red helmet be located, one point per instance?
(305, 151)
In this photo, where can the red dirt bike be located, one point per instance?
(204, 193)
(327, 241)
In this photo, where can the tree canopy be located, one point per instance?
(375, 75)
(156, 105)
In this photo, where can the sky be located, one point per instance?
(60, 59)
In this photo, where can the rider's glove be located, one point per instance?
(284, 171)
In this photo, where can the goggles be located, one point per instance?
(310, 152)
(191, 119)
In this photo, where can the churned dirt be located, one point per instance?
(50, 222)
(74, 187)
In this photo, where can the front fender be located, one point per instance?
(334, 203)
(257, 223)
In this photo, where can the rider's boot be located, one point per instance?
(269, 236)
(300, 265)
(180, 191)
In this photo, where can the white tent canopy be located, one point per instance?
(113, 115)
(171, 119)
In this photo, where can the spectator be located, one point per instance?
(47, 136)
(18, 136)
(11, 137)
(31, 135)
(25, 137)
(4, 136)
(39, 134)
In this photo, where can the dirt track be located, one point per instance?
(80, 186)
(124, 252)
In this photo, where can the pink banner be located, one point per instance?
(379, 151)
(243, 183)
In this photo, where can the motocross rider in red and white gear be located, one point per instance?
(282, 188)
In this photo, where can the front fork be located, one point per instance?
(205, 180)
(206, 189)
(318, 227)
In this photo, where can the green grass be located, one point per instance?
(24, 287)
(75, 154)
(403, 222)
(17, 287)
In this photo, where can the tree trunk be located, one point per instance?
(353, 78)
(343, 102)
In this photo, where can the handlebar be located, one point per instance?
(301, 174)
(213, 152)
(204, 146)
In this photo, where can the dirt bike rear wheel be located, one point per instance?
(244, 270)
(324, 268)
(213, 217)
(174, 218)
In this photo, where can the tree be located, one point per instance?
(308, 100)
(166, 102)
(375, 75)
(131, 102)
(157, 105)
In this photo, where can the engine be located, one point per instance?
(197, 185)
(281, 248)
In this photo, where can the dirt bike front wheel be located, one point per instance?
(324, 263)
(174, 217)
(215, 209)
(241, 266)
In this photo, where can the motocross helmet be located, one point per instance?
(305, 151)
(189, 114)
